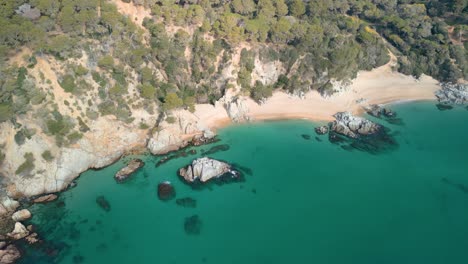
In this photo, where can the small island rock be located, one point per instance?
(204, 169)
(124, 173)
(353, 127)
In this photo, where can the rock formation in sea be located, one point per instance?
(205, 169)
(21, 215)
(359, 133)
(453, 93)
(103, 203)
(379, 111)
(192, 225)
(321, 130)
(166, 191)
(8, 254)
(45, 198)
(187, 202)
(124, 173)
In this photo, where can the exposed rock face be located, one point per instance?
(9, 254)
(166, 191)
(8, 205)
(321, 130)
(361, 134)
(21, 215)
(353, 127)
(46, 198)
(379, 111)
(205, 169)
(453, 93)
(124, 173)
(27, 11)
(237, 109)
(19, 232)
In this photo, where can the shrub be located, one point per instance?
(27, 166)
(106, 62)
(47, 155)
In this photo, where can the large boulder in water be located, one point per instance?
(205, 169)
(124, 173)
(46, 198)
(18, 232)
(166, 191)
(352, 126)
(353, 132)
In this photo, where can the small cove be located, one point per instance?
(303, 200)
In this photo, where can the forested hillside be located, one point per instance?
(191, 51)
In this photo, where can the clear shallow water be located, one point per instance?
(305, 202)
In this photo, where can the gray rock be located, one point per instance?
(321, 130)
(205, 169)
(21, 215)
(452, 93)
(45, 198)
(9, 255)
(353, 127)
(28, 12)
(124, 173)
(19, 232)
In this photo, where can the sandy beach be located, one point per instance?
(379, 86)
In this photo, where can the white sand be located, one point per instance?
(379, 86)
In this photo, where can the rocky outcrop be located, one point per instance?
(165, 191)
(124, 173)
(453, 93)
(45, 198)
(9, 254)
(358, 133)
(379, 111)
(18, 232)
(353, 127)
(205, 169)
(237, 109)
(21, 215)
(321, 130)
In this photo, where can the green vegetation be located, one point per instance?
(27, 166)
(108, 65)
(47, 155)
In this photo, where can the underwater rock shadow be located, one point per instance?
(193, 225)
(459, 186)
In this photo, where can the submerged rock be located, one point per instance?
(205, 169)
(359, 133)
(443, 107)
(124, 173)
(321, 130)
(187, 202)
(103, 203)
(21, 215)
(165, 191)
(46, 198)
(451, 93)
(217, 148)
(192, 225)
(305, 136)
(9, 254)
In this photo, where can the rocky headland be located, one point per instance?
(453, 94)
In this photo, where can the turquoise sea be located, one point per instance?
(302, 201)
